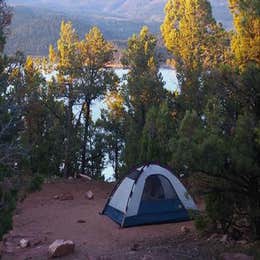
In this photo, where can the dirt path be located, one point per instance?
(43, 219)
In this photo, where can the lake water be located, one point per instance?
(169, 77)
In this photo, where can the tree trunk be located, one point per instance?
(68, 143)
(254, 204)
(85, 137)
(116, 163)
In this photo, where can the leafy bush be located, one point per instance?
(201, 223)
(36, 183)
(220, 210)
(6, 211)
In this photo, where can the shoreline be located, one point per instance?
(120, 66)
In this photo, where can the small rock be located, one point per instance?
(61, 248)
(213, 237)
(242, 242)
(89, 257)
(15, 217)
(24, 243)
(71, 178)
(56, 197)
(5, 237)
(135, 247)
(185, 229)
(104, 258)
(8, 248)
(36, 242)
(236, 256)
(81, 221)
(66, 196)
(89, 195)
(147, 257)
(224, 239)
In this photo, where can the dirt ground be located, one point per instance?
(43, 219)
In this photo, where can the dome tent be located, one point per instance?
(149, 194)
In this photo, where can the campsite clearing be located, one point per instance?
(42, 218)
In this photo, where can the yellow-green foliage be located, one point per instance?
(246, 39)
(192, 35)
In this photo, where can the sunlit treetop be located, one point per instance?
(192, 35)
(94, 50)
(246, 38)
(140, 54)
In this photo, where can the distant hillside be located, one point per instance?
(126, 8)
(34, 29)
(133, 9)
(36, 23)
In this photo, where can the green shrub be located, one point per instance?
(201, 223)
(6, 211)
(220, 210)
(36, 183)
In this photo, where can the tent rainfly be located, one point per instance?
(149, 194)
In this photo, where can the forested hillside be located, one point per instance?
(133, 9)
(33, 29)
(36, 23)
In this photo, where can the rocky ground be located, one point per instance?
(66, 210)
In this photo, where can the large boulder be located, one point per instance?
(61, 248)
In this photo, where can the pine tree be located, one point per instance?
(144, 82)
(113, 123)
(94, 78)
(197, 43)
(158, 130)
(11, 124)
(144, 88)
(66, 61)
(43, 133)
(246, 38)
(10, 109)
(5, 20)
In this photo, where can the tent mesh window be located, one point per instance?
(157, 187)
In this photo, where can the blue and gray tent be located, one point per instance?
(149, 194)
